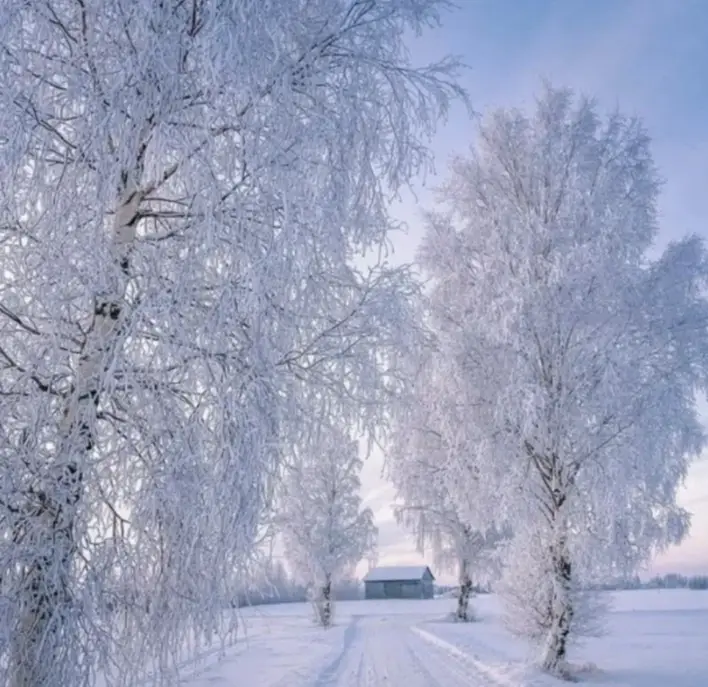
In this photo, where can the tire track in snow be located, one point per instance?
(487, 674)
(350, 636)
(389, 653)
(434, 678)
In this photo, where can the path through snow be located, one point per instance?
(388, 651)
(366, 650)
(655, 639)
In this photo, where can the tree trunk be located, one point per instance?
(39, 636)
(560, 613)
(44, 642)
(463, 600)
(326, 603)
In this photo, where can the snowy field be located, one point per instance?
(654, 639)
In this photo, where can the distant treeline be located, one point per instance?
(448, 588)
(669, 581)
(273, 585)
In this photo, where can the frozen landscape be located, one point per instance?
(654, 638)
(211, 318)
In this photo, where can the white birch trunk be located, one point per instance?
(43, 637)
(326, 602)
(463, 600)
(560, 612)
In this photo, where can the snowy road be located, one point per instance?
(388, 651)
(655, 638)
(365, 650)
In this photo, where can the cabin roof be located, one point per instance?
(397, 573)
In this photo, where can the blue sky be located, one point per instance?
(647, 57)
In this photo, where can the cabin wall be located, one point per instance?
(374, 590)
(399, 589)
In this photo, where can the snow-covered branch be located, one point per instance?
(183, 189)
(576, 357)
(326, 531)
(432, 462)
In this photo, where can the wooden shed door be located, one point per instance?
(393, 589)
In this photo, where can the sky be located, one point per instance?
(647, 58)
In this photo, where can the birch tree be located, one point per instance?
(441, 501)
(456, 546)
(578, 356)
(326, 532)
(183, 186)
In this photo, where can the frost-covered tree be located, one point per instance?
(576, 354)
(528, 603)
(440, 501)
(183, 187)
(326, 532)
(456, 546)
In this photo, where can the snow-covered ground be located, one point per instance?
(654, 639)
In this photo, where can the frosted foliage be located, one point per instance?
(529, 587)
(431, 461)
(325, 530)
(577, 356)
(184, 187)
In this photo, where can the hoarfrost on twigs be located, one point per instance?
(432, 462)
(326, 532)
(183, 187)
(575, 356)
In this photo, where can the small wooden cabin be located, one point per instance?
(399, 582)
